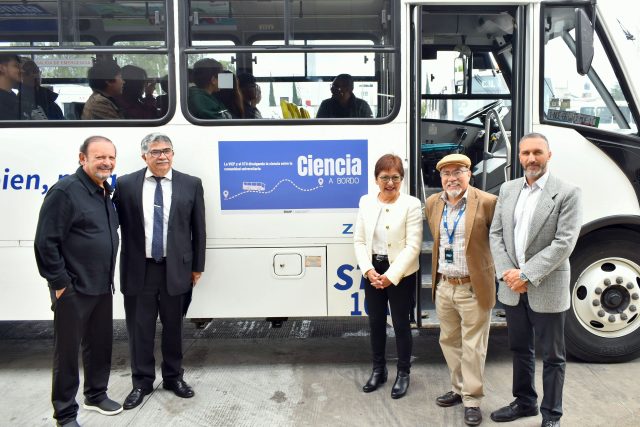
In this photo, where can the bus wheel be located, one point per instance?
(603, 324)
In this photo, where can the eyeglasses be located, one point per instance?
(456, 173)
(157, 153)
(394, 178)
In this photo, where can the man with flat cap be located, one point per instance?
(463, 278)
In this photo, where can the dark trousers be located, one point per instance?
(524, 325)
(142, 312)
(80, 321)
(399, 300)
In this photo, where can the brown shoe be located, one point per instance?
(450, 398)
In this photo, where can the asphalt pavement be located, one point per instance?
(307, 373)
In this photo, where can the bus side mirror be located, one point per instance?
(460, 75)
(584, 42)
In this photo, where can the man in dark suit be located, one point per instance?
(161, 213)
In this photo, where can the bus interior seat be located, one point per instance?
(73, 110)
(291, 111)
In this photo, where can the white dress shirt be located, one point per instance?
(527, 202)
(148, 193)
(457, 268)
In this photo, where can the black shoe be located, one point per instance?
(401, 385)
(550, 423)
(106, 406)
(376, 379)
(472, 416)
(134, 398)
(513, 412)
(450, 398)
(179, 387)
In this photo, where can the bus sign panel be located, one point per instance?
(292, 175)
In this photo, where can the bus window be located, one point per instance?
(58, 43)
(63, 79)
(293, 51)
(595, 99)
(447, 74)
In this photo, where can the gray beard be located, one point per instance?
(535, 174)
(453, 193)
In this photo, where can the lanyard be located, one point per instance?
(455, 223)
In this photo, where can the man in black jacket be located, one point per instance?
(343, 103)
(37, 102)
(76, 244)
(161, 212)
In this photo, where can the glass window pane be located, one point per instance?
(595, 99)
(294, 20)
(284, 78)
(278, 64)
(59, 87)
(74, 22)
(332, 64)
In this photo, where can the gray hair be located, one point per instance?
(151, 138)
(535, 135)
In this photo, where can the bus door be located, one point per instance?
(467, 97)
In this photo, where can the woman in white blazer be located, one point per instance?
(387, 243)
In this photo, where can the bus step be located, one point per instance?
(426, 281)
(427, 247)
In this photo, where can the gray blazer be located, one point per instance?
(553, 233)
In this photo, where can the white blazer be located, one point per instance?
(404, 235)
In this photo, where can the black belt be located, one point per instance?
(155, 261)
(380, 258)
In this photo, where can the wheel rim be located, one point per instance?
(606, 298)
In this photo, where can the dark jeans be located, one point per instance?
(142, 313)
(80, 321)
(399, 300)
(524, 325)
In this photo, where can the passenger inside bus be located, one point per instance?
(105, 79)
(131, 102)
(251, 94)
(37, 102)
(232, 98)
(343, 103)
(9, 79)
(202, 103)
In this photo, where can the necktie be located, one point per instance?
(158, 220)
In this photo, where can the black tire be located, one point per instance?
(580, 341)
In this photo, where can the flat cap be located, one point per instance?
(458, 159)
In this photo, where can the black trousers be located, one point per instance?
(142, 312)
(399, 299)
(524, 325)
(80, 321)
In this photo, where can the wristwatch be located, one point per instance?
(523, 277)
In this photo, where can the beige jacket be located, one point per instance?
(477, 222)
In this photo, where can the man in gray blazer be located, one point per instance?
(534, 230)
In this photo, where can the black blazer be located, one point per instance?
(186, 234)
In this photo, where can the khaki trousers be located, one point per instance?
(464, 334)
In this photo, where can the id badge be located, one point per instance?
(448, 255)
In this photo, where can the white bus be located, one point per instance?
(281, 194)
